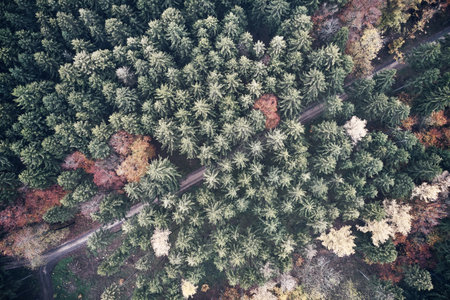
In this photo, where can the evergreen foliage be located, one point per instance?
(58, 214)
(418, 278)
(430, 85)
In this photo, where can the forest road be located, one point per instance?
(316, 109)
(52, 257)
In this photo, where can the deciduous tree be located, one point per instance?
(339, 241)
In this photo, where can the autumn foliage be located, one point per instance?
(427, 216)
(431, 131)
(362, 18)
(409, 122)
(416, 248)
(411, 251)
(78, 160)
(437, 119)
(267, 104)
(129, 163)
(121, 142)
(436, 134)
(231, 294)
(105, 176)
(135, 165)
(30, 242)
(432, 137)
(33, 207)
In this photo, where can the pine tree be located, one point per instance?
(290, 103)
(165, 134)
(313, 84)
(425, 56)
(435, 101)
(58, 214)
(418, 278)
(340, 38)
(111, 292)
(163, 172)
(276, 12)
(113, 207)
(384, 80)
(385, 253)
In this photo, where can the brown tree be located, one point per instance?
(135, 165)
(267, 104)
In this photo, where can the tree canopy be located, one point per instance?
(101, 99)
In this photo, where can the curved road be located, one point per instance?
(52, 257)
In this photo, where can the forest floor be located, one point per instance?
(76, 277)
(80, 226)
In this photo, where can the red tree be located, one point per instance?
(121, 142)
(32, 208)
(113, 172)
(359, 14)
(432, 137)
(437, 119)
(78, 160)
(427, 216)
(409, 122)
(105, 175)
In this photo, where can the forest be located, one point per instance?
(226, 149)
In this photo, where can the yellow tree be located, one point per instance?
(365, 50)
(339, 241)
(135, 165)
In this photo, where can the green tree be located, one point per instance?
(126, 100)
(160, 179)
(435, 101)
(111, 292)
(17, 283)
(70, 27)
(340, 38)
(38, 179)
(58, 214)
(69, 180)
(99, 149)
(99, 240)
(82, 193)
(384, 80)
(276, 11)
(425, 167)
(196, 9)
(117, 31)
(425, 56)
(91, 21)
(418, 278)
(165, 134)
(290, 103)
(277, 46)
(313, 84)
(385, 253)
(113, 207)
(9, 181)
